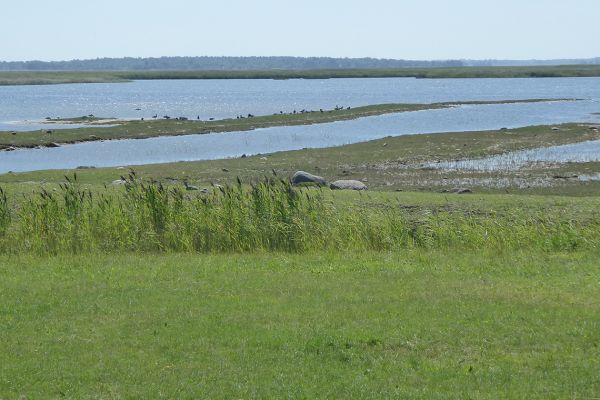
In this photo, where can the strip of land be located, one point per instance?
(389, 164)
(60, 77)
(141, 129)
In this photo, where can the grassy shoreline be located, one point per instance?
(388, 164)
(63, 77)
(141, 129)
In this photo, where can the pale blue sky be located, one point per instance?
(409, 29)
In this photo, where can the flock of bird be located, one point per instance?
(241, 116)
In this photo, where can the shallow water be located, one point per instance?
(226, 98)
(577, 152)
(261, 141)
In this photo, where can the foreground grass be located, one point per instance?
(48, 77)
(272, 215)
(411, 324)
(141, 129)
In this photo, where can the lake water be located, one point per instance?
(221, 99)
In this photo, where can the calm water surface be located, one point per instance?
(220, 99)
(228, 98)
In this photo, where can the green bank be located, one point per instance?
(60, 77)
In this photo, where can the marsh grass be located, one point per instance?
(4, 212)
(268, 215)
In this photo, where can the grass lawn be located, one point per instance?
(410, 324)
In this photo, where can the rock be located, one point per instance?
(304, 177)
(10, 148)
(224, 170)
(53, 145)
(347, 185)
(119, 182)
(189, 187)
(555, 128)
(461, 190)
(263, 158)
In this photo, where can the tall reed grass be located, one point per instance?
(271, 215)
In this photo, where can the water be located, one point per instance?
(577, 152)
(228, 98)
(220, 99)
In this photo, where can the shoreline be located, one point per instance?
(388, 164)
(11, 78)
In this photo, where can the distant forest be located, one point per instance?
(259, 63)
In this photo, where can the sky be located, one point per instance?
(401, 29)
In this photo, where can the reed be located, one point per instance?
(269, 215)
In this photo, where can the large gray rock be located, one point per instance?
(304, 177)
(347, 185)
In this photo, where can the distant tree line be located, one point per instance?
(533, 63)
(262, 63)
(219, 64)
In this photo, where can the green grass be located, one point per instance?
(139, 129)
(56, 77)
(271, 215)
(410, 324)
(266, 291)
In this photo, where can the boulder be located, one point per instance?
(347, 185)
(461, 190)
(304, 177)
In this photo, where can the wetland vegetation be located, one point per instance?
(61, 77)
